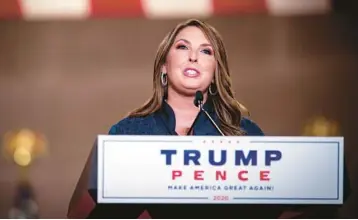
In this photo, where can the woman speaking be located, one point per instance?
(191, 58)
(191, 61)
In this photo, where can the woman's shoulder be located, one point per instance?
(133, 125)
(251, 127)
(147, 125)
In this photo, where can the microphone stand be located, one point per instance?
(211, 120)
(201, 108)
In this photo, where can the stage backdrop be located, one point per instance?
(72, 80)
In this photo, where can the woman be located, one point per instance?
(191, 58)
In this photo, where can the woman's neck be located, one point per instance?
(182, 104)
(184, 109)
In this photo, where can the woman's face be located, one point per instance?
(190, 63)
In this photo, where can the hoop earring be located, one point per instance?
(164, 79)
(211, 90)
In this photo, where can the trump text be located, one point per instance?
(239, 158)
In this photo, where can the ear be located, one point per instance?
(164, 69)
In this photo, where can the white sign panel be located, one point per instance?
(207, 169)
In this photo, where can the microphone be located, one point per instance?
(198, 102)
(199, 98)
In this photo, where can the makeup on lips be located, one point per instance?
(191, 72)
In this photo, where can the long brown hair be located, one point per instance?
(228, 109)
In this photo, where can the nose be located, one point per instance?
(193, 58)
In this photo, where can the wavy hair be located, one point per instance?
(227, 108)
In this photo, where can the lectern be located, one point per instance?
(209, 176)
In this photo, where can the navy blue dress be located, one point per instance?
(162, 122)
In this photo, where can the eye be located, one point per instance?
(207, 51)
(181, 47)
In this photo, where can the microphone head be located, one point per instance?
(199, 97)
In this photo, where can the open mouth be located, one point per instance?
(191, 72)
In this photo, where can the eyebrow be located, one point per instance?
(188, 42)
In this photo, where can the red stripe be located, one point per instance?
(145, 215)
(10, 9)
(116, 8)
(228, 7)
(82, 208)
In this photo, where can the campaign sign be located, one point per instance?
(208, 169)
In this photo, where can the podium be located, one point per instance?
(209, 176)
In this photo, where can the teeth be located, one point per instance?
(191, 72)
